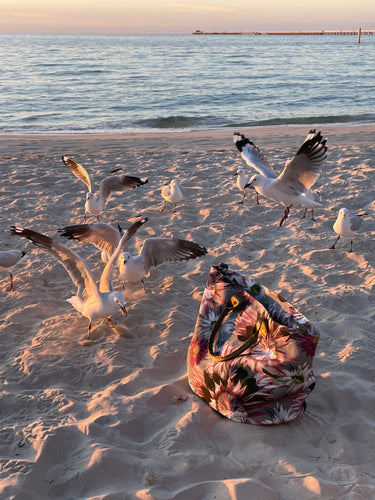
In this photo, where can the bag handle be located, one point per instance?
(235, 303)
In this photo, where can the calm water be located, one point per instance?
(102, 83)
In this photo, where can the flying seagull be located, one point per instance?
(96, 202)
(9, 259)
(91, 301)
(293, 185)
(347, 225)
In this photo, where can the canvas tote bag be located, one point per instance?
(251, 354)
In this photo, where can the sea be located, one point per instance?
(63, 84)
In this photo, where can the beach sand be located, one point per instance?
(115, 418)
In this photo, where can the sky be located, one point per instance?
(185, 16)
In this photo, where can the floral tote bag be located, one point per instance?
(251, 354)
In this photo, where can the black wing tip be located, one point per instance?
(70, 231)
(16, 230)
(39, 239)
(241, 143)
(195, 250)
(315, 147)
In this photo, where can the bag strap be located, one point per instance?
(236, 303)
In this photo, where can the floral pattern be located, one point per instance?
(269, 382)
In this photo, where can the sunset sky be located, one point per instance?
(173, 16)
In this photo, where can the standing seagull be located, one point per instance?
(8, 259)
(91, 301)
(292, 185)
(346, 225)
(171, 193)
(96, 202)
(242, 182)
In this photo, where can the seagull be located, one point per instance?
(134, 268)
(314, 195)
(96, 202)
(346, 225)
(103, 236)
(154, 252)
(292, 185)
(91, 301)
(9, 259)
(172, 193)
(242, 181)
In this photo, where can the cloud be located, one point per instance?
(186, 7)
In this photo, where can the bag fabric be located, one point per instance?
(251, 354)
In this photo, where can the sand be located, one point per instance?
(115, 418)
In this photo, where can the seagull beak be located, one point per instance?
(123, 310)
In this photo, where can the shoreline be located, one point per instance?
(197, 139)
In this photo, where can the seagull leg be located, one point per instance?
(312, 214)
(333, 246)
(243, 198)
(257, 198)
(163, 206)
(351, 246)
(111, 323)
(11, 283)
(143, 283)
(89, 331)
(304, 214)
(84, 218)
(285, 216)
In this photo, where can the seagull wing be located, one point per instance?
(356, 221)
(252, 155)
(105, 284)
(73, 264)
(155, 251)
(301, 172)
(119, 183)
(78, 171)
(103, 236)
(165, 192)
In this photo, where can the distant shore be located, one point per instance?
(298, 32)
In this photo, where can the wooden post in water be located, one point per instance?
(359, 35)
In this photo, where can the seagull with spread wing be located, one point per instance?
(91, 301)
(96, 202)
(293, 185)
(103, 236)
(154, 251)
